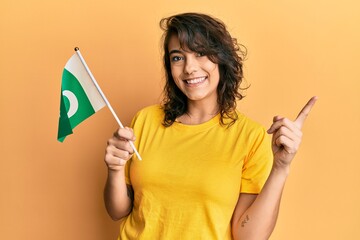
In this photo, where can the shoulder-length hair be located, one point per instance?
(207, 35)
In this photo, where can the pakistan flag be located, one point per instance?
(79, 97)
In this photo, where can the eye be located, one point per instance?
(200, 54)
(176, 58)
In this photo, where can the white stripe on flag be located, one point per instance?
(75, 66)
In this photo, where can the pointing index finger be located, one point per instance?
(300, 119)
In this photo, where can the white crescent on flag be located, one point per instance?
(74, 104)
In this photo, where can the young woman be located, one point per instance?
(208, 171)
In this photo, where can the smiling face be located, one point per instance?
(194, 74)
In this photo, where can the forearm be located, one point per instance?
(259, 220)
(118, 199)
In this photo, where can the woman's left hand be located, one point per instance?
(287, 135)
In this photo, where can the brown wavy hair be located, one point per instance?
(207, 35)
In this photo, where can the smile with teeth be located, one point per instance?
(195, 80)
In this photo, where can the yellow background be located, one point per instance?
(296, 49)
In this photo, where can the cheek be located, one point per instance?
(214, 70)
(175, 73)
(175, 77)
(210, 66)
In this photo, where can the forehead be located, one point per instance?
(174, 44)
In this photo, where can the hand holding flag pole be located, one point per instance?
(105, 99)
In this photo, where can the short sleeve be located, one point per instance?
(258, 163)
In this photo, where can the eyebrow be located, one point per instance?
(175, 51)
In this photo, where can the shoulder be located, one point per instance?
(247, 127)
(151, 110)
(248, 124)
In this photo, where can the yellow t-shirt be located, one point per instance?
(190, 178)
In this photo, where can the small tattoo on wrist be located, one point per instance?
(246, 220)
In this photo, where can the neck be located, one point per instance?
(198, 113)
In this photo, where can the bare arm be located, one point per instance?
(118, 196)
(255, 215)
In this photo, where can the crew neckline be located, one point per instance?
(198, 127)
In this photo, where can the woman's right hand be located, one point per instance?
(118, 150)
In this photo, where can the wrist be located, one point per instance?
(281, 169)
(117, 170)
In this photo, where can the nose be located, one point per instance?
(191, 65)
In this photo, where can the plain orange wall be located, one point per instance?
(297, 49)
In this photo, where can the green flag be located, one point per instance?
(79, 97)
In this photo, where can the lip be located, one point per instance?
(195, 81)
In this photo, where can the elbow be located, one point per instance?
(249, 233)
(250, 236)
(117, 215)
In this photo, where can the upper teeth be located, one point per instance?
(196, 80)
